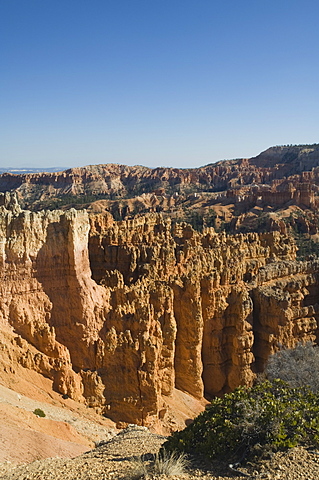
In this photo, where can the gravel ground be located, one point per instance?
(116, 459)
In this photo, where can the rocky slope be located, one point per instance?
(125, 316)
(67, 428)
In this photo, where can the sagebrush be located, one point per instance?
(298, 366)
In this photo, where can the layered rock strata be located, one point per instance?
(275, 177)
(119, 314)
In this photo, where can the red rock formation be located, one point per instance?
(119, 314)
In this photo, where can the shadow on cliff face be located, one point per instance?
(108, 261)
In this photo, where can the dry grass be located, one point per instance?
(164, 463)
(170, 463)
(140, 468)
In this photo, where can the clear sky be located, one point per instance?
(177, 83)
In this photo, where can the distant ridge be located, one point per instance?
(21, 171)
(275, 177)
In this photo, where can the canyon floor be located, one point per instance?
(61, 446)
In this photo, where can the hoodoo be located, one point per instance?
(121, 315)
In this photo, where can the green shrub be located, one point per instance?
(269, 415)
(38, 412)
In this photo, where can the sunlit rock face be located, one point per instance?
(120, 314)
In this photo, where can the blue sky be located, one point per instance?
(177, 83)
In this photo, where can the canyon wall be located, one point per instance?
(120, 314)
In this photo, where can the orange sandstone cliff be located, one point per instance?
(120, 315)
